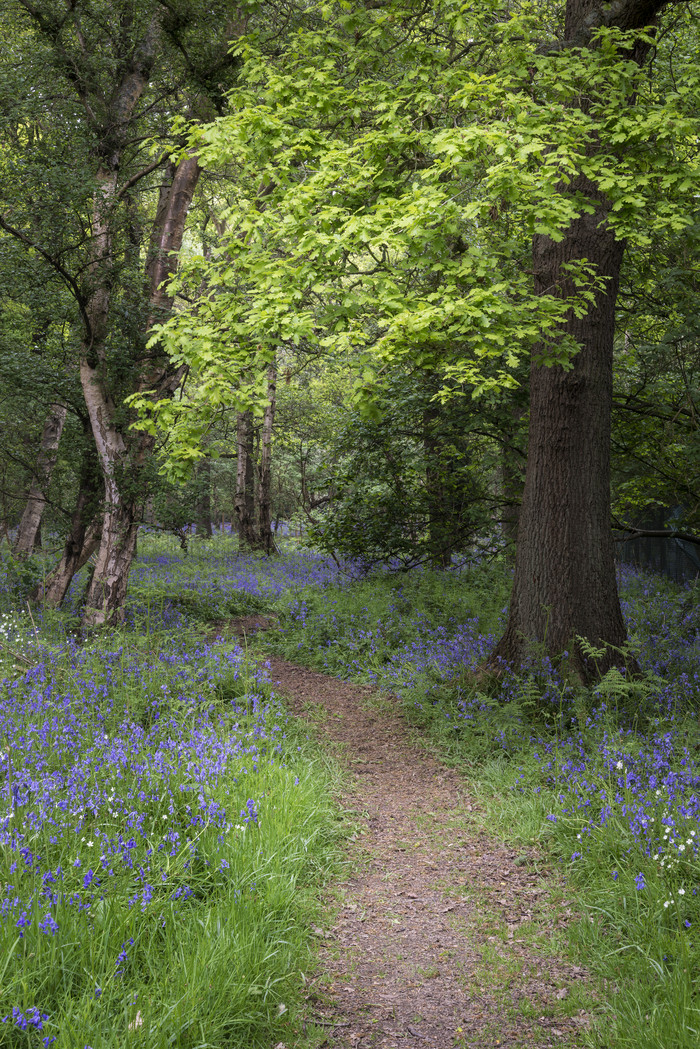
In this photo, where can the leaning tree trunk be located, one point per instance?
(30, 524)
(564, 585)
(265, 538)
(83, 534)
(81, 543)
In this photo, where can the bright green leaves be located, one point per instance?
(393, 166)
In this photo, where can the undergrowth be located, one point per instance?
(105, 739)
(164, 830)
(606, 779)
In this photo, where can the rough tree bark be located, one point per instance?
(123, 456)
(30, 522)
(564, 584)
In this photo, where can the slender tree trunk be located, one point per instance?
(564, 585)
(30, 524)
(82, 542)
(440, 532)
(204, 526)
(266, 539)
(245, 482)
(83, 535)
(118, 538)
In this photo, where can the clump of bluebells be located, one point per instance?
(149, 812)
(611, 775)
(122, 776)
(395, 630)
(169, 588)
(216, 580)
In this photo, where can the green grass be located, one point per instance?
(355, 631)
(215, 925)
(642, 946)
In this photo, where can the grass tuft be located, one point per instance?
(606, 780)
(164, 830)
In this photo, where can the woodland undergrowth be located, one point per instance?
(165, 827)
(606, 780)
(163, 814)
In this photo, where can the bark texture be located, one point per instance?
(123, 456)
(564, 585)
(30, 523)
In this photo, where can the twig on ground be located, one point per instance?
(16, 655)
(29, 609)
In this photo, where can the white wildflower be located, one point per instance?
(137, 1022)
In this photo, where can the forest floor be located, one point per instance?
(442, 936)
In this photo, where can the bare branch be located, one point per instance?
(141, 174)
(656, 533)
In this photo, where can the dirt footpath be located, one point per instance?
(444, 935)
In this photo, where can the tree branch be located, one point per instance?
(655, 533)
(63, 273)
(141, 174)
(622, 14)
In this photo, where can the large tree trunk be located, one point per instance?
(123, 457)
(265, 538)
(30, 524)
(245, 482)
(564, 586)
